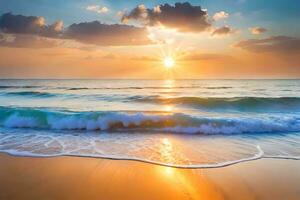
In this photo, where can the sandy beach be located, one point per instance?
(89, 178)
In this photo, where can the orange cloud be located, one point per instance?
(220, 15)
(257, 30)
(273, 44)
(223, 31)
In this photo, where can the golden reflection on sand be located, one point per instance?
(193, 186)
(169, 171)
(88, 178)
(184, 180)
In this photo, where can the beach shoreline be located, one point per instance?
(68, 177)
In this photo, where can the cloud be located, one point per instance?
(257, 30)
(220, 15)
(109, 56)
(145, 58)
(120, 13)
(20, 24)
(205, 56)
(182, 16)
(104, 34)
(97, 9)
(273, 44)
(222, 31)
(25, 41)
(94, 33)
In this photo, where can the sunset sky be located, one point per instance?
(132, 39)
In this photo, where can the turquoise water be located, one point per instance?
(183, 123)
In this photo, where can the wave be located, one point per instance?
(41, 94)
(238, 103)
(111, 88)
(32, 94)
(247, 104)
(143, 88)
(145, 122)
(18, 86)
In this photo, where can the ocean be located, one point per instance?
(179, 123)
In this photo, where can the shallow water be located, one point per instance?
(184, 123)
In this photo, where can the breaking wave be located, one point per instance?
(11, 117)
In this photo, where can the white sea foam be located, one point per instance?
(256, 156)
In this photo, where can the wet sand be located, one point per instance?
(90, 178)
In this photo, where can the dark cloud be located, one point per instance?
(53, 30)
(225, 30)
(20, 24)
(182, 16)
(94, 33)
(10, 23)
(104, 34)
(274, 44)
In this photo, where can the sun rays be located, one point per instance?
(169, 62)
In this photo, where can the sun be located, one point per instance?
(169, 62)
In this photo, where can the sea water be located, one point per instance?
(182, 123)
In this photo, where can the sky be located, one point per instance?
(133, 39)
